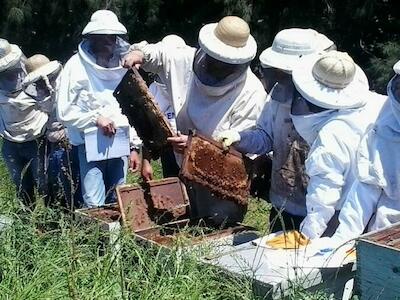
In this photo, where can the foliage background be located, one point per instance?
(367, 29)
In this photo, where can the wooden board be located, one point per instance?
(223, 172)
(143, 113)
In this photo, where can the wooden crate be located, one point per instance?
(378, 261)
(160, 217)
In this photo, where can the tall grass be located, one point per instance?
(46, 254)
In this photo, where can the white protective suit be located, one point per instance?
(334, 136)
(86, 92)
(275, 131)
(21, 119)
(377, 188)
(206, 109)
(209, 110)
(160, 93)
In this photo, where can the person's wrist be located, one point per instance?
(134, 148)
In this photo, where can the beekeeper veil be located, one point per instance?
(12, 69)
(226, 50)
(105, 36)
(40, 83)
(326, 83)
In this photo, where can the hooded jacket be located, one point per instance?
(331, 161)
(86, 92)
(21, 119)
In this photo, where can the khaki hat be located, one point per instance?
(331, 80)
(39, 66)
(104, 22)
(229, 41)
(10, 55)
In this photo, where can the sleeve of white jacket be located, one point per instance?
(357, 210)
(327, 165)
(258, 140)
(244, 116)
(72, 92)
(154, 56)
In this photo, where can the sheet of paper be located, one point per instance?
(100, 147)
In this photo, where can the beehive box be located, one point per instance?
(161, 217)
(223, 172)
(277, 273)
(143, 113)
(107, 217)
(378, 264)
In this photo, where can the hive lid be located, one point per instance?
(158, 202)
(143, 113)
(223, 172)
(388, 237)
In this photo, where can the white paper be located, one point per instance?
(101, 147)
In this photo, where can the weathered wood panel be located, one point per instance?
(378, 261)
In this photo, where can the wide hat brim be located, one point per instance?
(352, 96)
(272, 59)
(223, 52)
(396, 67)
(104, 28)
(11, 58)
(46, 70)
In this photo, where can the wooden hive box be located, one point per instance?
(161, 217)
(223, 172)
(378, 264)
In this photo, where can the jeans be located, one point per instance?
(26, 164)
(63, 175)
(99, 178)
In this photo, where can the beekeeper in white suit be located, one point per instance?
(212, 89)
(331, 111)
(373, 202)
(22, 126)
(275, 130)
(160, 92)
(86, 101)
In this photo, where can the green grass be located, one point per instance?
(49, 255)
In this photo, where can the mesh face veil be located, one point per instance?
(11, 79)
(215, 73)
(42, 88)
(300, 106)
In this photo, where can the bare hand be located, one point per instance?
(133, 59)
(147, 170)
(107, 125)
(134, 161)
(178, 142)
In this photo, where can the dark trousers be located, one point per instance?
(169, 166)
(26, 164)
(63, 175)
(283, 221)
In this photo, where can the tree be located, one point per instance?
(367, 29)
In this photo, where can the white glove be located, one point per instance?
(228, 137)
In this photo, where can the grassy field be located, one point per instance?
(46, 254)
